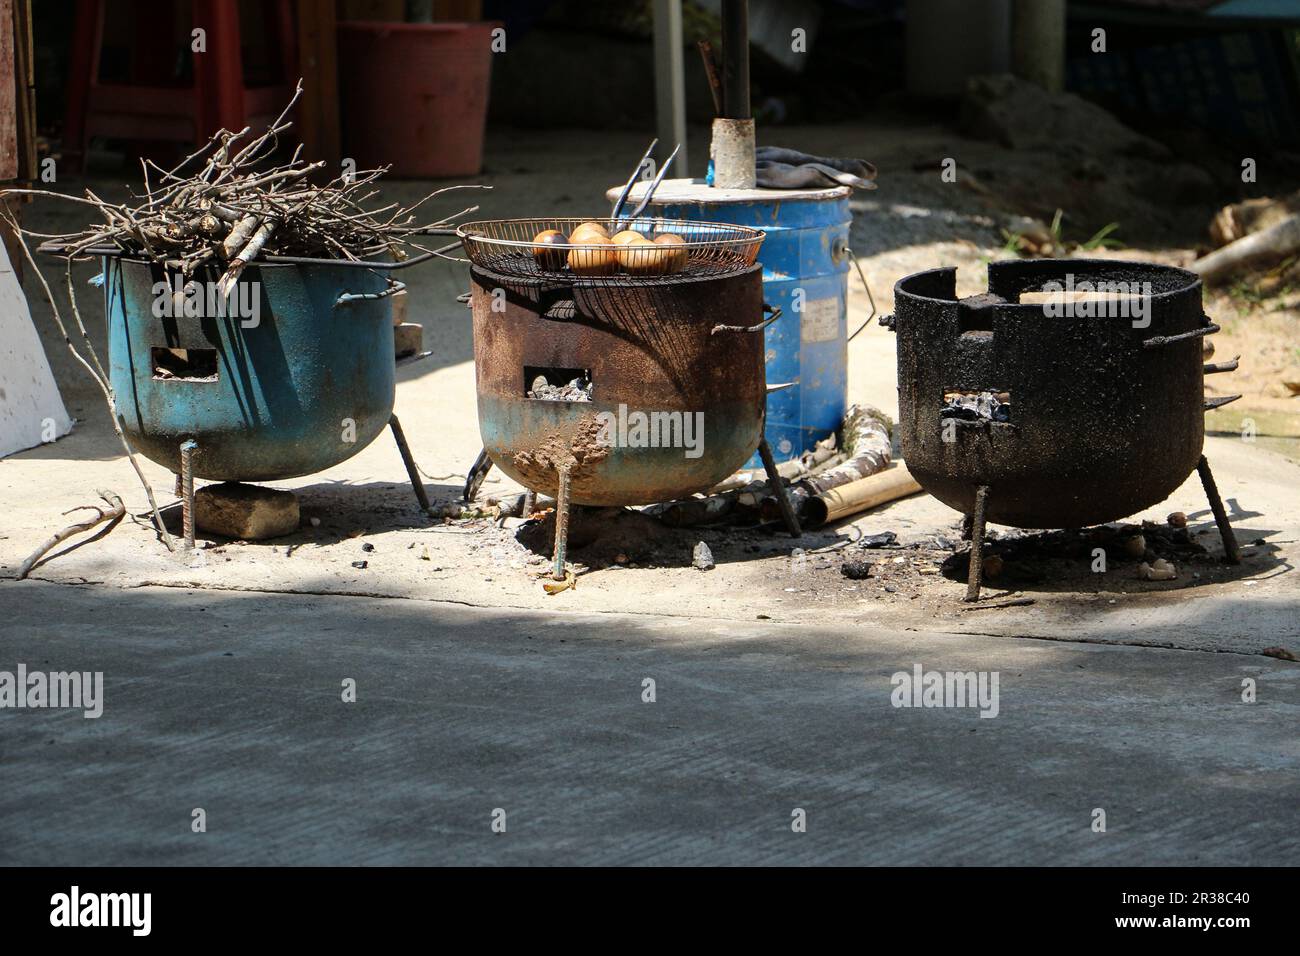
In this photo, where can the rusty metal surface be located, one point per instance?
(1100, 427)
(286, 395)
(648, 348)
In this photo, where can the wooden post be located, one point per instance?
(218, 72)
(8, 94)
(318, 110)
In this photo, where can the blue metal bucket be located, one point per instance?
(306, 386)
(805, 262)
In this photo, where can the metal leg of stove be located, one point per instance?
(561, 523)
(778, 488)
(967, 524)
(1220, 515)
(412, 471)
(975, 578)
(186, 479)
(180, 486)
(477, 473)
(530, 503)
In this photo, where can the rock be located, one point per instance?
(993, 565)
(367, 546)
(1281, 653)
(1136, 546)
(856, 568)
(1160, 570)
(361, 565)
(248, 512)
(399, 301)
(1177, 520)
(408, 339)
(702, 558)
(1022, 115)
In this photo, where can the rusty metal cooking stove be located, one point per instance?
(682, 343)
(1102, 416)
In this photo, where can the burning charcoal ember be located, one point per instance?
(977, 406)
(578, 390)
(702, 557)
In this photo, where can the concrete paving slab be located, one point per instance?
(231, 702)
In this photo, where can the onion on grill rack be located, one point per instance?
(528, 249)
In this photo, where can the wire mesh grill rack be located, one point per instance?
(541, 249)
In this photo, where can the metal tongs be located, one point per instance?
(617, 214)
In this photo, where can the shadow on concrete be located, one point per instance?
(233, 702)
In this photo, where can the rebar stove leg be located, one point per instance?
(187, 491)
(412, 471)
(975, 577)
(561, 522)
(477, 473)
(778, 488)
(1220, 515)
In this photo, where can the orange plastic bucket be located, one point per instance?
(415, 95)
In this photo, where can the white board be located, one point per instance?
(31, 409)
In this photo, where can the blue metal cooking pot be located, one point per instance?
(293, 373)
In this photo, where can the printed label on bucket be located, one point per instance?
(820, 320)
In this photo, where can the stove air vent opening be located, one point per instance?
(546, 384)
(975, 315)
(976, 405)
(187, 365)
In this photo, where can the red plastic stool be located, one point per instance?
(148, 109)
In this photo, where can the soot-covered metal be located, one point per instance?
(1077, 410)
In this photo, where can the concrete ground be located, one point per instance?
(231, 702)
(478, 691)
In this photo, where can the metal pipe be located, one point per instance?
(779, 489)
(1220, 515)
(478, 472)
(412, 471)
(975, 576)
(187, 491)
(561, 522)
(670, 72)
(735, 59)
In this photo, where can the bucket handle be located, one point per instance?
(394, 287)
(866, 285)
(773, 310)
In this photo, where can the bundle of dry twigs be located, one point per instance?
(223, 205)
